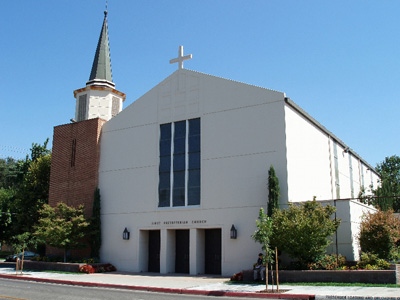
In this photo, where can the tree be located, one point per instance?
(95, 226)
(263, 235)
(32, 194)
(303, 231)
(27, 185)
(8, 172)
(380, 234)
(6, 196)
(19, 244)
(62, 226)
(384, 196)
(273, 191)
(389, 171)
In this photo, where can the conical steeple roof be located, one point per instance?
(101, 74)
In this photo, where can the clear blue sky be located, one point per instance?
(338, 60)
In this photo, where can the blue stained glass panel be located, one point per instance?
(179, 179)
(165, 147)
(165, 181)
(165, 131)
(194, 196)
(194, 178)
(179, 162)
(194, 143)
(194, 127)
(179, 197)
(180, 129)
(194, 160)
(179, 146)
(163, 196)
(165, 163)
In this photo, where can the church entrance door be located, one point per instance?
(182, 251)
(213, 251)
(154, 251)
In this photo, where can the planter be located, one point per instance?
(52, 266)
(346, 276)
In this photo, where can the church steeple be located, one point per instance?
(99, 99)
(101, 70)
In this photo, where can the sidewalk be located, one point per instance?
(203, 285)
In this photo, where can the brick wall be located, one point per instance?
(74, 167)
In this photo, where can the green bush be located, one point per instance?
(329, 262)
(303, 230)
(371, 261)
(380, 234)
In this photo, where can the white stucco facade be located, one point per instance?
(244, 130)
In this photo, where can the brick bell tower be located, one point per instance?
(76, 146)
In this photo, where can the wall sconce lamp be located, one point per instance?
(233, 232)
(125, 234)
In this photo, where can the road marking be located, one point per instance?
(8, 297)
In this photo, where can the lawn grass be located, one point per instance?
(389, 285)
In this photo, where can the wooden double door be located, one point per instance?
(154, 251)
(212, 251)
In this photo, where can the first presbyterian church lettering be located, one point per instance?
(179, 222)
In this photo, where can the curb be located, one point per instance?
(165, 290)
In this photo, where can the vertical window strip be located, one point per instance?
(171, 171)
(73, 153)
(165, 166)
(351, 176)
(114, 106)
(179, 172)
(82, 107)
(186, 162)
(194, 162)
(372, 180)
(362, 175)
(336, 170)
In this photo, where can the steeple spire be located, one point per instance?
(101, 74)
(99, 99)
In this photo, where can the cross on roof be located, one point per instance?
(180, 58)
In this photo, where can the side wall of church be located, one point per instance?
(321, 166)
(74, 167)
(242, 135)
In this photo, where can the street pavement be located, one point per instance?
(203, 285)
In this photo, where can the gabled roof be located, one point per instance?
(101, 70)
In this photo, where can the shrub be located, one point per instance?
(87, 269)
(371, 261)
(303, 231)
(237, 277)
(329, 262)
(380, 234)
(97, 268)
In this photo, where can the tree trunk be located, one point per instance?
(22, 262)
(266, 272)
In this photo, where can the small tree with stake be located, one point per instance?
(19, 244)
(263, 235)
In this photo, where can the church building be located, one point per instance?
(183, 170)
